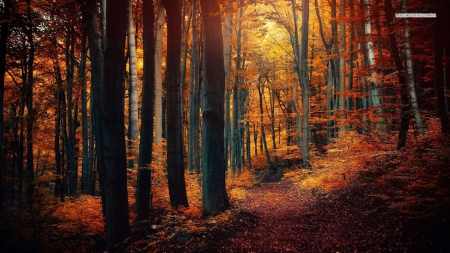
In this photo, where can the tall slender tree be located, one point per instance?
(194, 96)
(175, 163)
(145, 149)
(133, 117)
(214, 195)
(116, 196)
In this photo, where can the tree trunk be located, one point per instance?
(227, 65)
(117, 223)
(272, 118)
(214, 195)
(175, 164)
(410, 79)
(194, 99)
(96, 58)
(261, 119)
(342, 73)
(87, 173)
(350, 61)
(249, 155)
(20, 151)
(145, 151)
(133, 116)
(29, 104)
(304, 83)
(158, 73)
(405, 112)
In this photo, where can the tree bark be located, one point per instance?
(406, 110)
(145, 150)
(96, 58)
(194, 99)
(117, 223)
(29, 104)
(410, 79)
(304, 83)
(175, 163)
(133, 117)
(214, 195)
(158, 73)
(227, 65)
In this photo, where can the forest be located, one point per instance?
(224, 126)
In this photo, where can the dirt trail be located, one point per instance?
(282, 219)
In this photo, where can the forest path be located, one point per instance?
(276, 217)
(288, 220)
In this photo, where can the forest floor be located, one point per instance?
(354, 200)
(399, 203)
(277, 217)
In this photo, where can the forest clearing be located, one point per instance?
(224, 126)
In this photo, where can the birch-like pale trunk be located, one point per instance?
(304, 83)
(158, 73)
(297, 63)
(410, 76)
(375, 97)
(133, 113)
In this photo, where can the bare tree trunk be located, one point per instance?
(304, 83)
(236, 144)
(87, 173)
(214, 194)
(145, 150)
(175, 164)
(261, 119)
(272, 118)
(133, 116)
(227, 63)
(158, 73)
(342, 66)
(406, 110)
(194, 97)
(29, 104)
(350, 62)
(410, 76)
(96, 58)
(117, 217)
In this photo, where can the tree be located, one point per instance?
(158, 72)
(4, 32)
(304, 83)
(406, 110)
(133, 117)
(410, 72)
(194, 96)
(145, 149)
(116, 196)
(214, 198)
(175, 164)
(96, 59)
